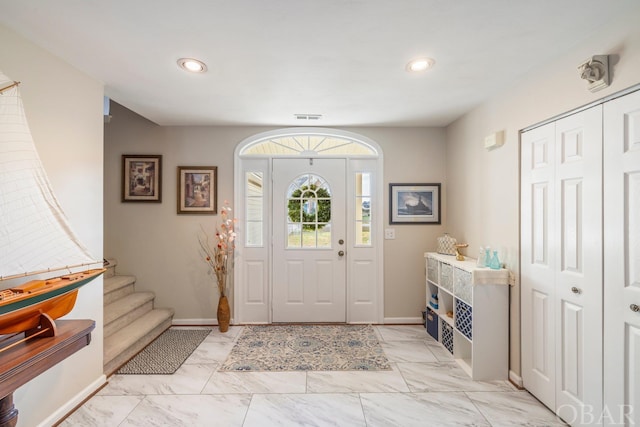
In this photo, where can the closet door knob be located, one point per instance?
(576, 291)
(635, 308)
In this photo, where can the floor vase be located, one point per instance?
(224, 314)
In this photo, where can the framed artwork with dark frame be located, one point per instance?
(414, 203)
(142, 178)
(197, 190)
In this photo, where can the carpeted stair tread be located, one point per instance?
(122, 306)
(128, 341)
(111, 268)
(116, 282)
(125, 310)
(117, 286)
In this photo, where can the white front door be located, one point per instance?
(622, 261)
(309, 233)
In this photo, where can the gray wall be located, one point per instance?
(160, 247)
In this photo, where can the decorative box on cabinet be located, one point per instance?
(478, 333)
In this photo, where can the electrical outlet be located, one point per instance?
(389, 233)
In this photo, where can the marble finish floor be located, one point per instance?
(425, 387)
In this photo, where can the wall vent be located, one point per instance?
(308, 116)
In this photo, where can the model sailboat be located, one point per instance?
(35, 236)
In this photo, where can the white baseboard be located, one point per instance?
(196, 322)
(214, 322)
(193, 322)
(403, 320)
(74, 402)
(516, 379)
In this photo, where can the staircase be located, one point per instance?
(130, 320)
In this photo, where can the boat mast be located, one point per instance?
(10, 86)
(48, 270)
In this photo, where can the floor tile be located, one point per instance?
(420, 410)
(515, 408)
(309, 410)
(402, 332)
(188, 379)
(231, 335)
(256, 382)
(190, 410)
(103, 411)
(446, 376)
(438, 350)
(425, 387)
(408, 351)
(356, 381)
(211, 350)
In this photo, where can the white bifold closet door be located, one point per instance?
(622, 261)
(561, 264)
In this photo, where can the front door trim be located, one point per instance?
(252, 285)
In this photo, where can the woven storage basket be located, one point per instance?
(446, 245)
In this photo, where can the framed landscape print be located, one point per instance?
(414, 203)
(141, 178)
(197, 190)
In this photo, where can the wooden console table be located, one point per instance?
(23, 362)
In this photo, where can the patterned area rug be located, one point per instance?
(307, 348)
(166, 353)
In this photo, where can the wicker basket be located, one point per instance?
(446, 245)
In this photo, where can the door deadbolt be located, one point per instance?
(341, 241)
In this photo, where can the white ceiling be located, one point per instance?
(271, 59)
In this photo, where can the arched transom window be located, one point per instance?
(309, 145)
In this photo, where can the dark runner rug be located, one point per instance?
(307, 348)
(166, 353)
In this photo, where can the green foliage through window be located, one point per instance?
(311, 206)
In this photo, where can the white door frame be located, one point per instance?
(251, 290)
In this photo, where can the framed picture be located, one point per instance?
(197, 190)
(414, 203)
(141, 178)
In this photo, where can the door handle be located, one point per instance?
(635, 308)
(576, 291)
(341, 253)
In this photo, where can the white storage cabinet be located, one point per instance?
(477, 333)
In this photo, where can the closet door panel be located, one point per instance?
(571, 363)
(622, 259)
(578, 273)
(538, 263)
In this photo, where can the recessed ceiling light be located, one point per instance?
(420, 64)
(192, 65)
